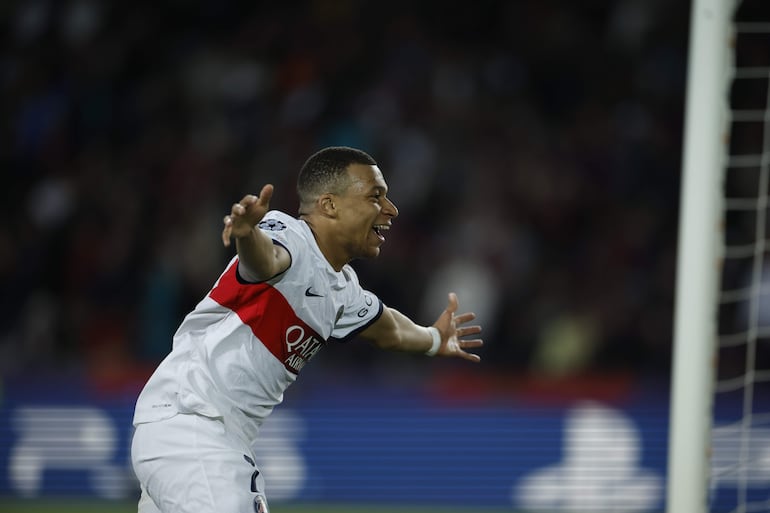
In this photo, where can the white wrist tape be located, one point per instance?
(434, 333)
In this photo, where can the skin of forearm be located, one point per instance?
(257, 252)
(404, 334)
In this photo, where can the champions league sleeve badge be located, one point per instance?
(271, 225)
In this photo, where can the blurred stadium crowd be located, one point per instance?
(533, 149)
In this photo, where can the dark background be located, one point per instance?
(533, 149)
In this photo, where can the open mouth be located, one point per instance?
(379, 229)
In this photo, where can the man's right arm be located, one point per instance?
(256, 252)
(259, 258)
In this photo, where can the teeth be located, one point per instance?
(381, 227)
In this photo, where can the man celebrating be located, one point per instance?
(288, 292)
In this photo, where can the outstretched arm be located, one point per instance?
(395, 331)
(256, 251)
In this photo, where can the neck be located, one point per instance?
(317, 227)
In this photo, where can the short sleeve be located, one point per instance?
(276, 226)
(282, 229)
(361, 310)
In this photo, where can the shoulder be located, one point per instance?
(277, 221)
(289, 232)
(350, 274)
(281, 226)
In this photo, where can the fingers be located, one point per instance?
(463, 318)
(452, 303)
(469, 356)
(238, 209)
(457, 345)
(227, 230)
(265, 195)
(476, 342)
(242, 207)
(262, 200)
(462, 345)
(468, 330)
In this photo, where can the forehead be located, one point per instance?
(365, 177)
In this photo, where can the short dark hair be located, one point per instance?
(325, 170)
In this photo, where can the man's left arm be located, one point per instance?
(397, 332)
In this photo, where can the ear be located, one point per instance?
(327, 206)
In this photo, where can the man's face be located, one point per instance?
(365, 213)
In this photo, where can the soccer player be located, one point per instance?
(288, 292)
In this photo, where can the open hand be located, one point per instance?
(245, 214)
(448, 325)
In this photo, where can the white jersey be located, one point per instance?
(244, 343)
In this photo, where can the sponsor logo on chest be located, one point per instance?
(301, 345)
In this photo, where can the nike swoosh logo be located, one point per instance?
(309, 293)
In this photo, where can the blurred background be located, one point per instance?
(533, 149)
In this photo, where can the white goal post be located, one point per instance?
(699, 254)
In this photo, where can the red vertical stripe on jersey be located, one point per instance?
(266, 311)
